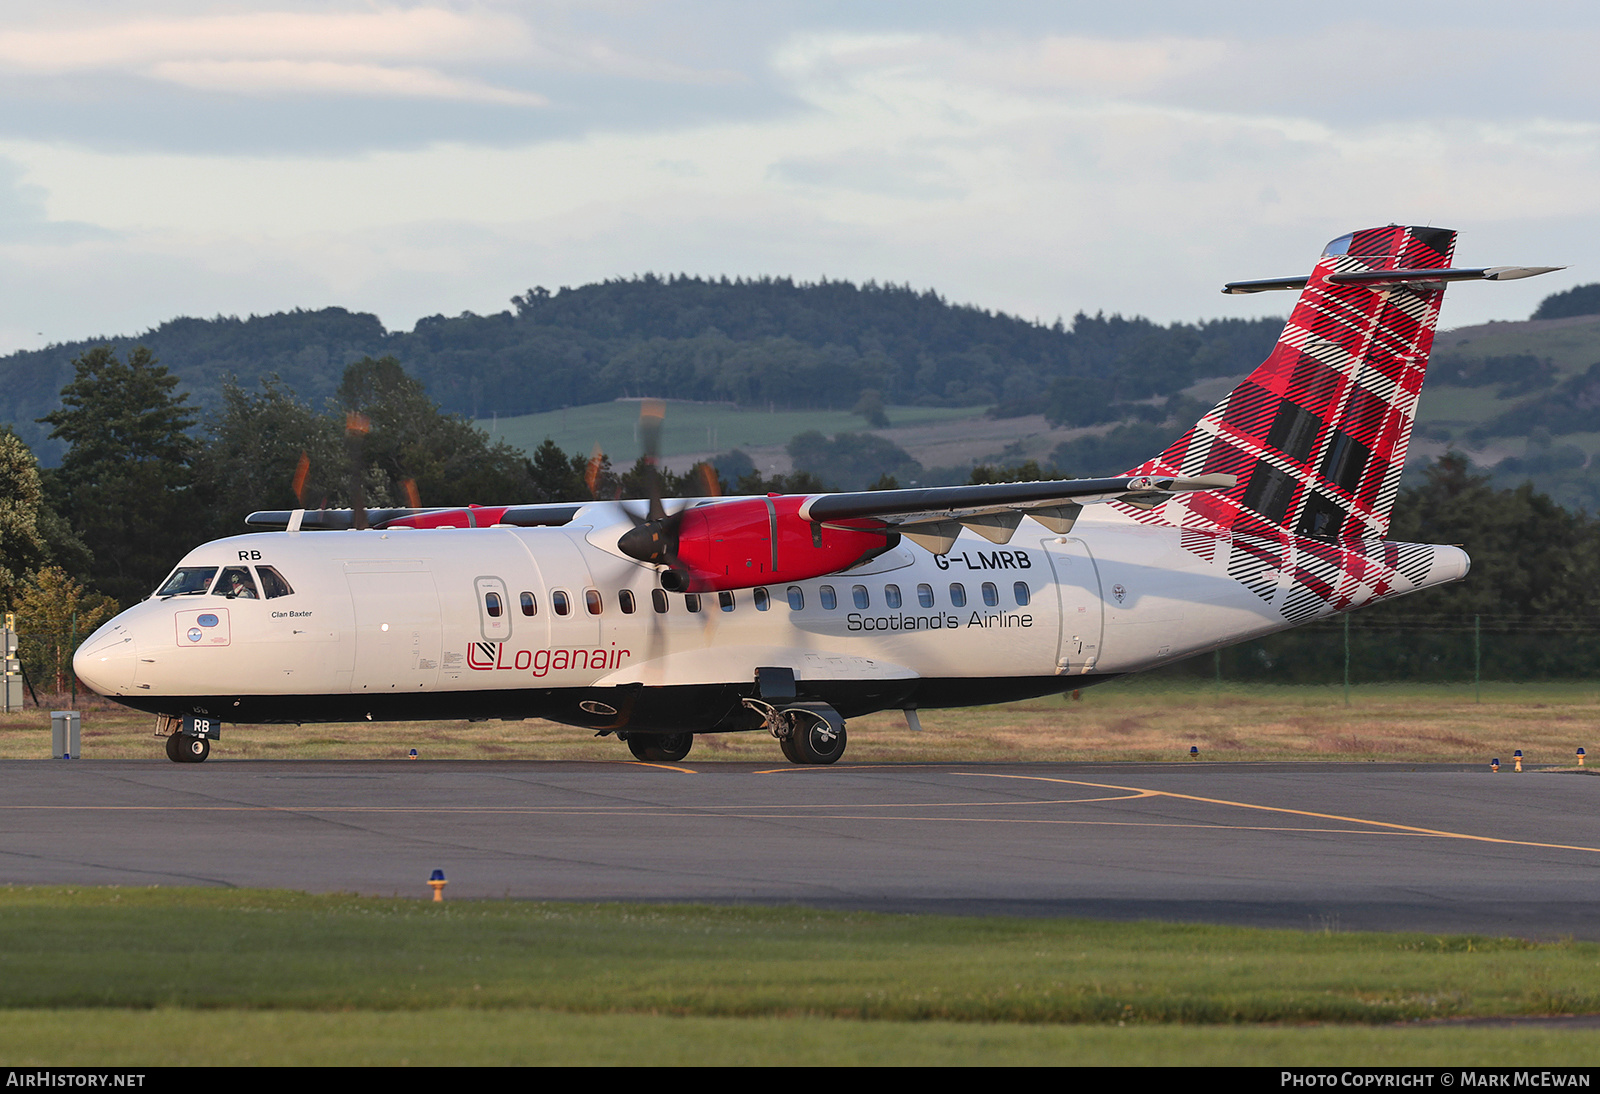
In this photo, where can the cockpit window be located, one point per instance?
(187, 580)
(1339, 246)
(272, 583)
(237, 582)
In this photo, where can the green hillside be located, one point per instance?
(1507, 394)
(1572, 345)
(750, 364)
(691, 428)
(1537, 419)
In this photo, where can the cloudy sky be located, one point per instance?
(203, 157)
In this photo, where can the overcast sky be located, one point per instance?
(199, 158)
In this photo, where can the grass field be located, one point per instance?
(187, 976)
(1133, 720)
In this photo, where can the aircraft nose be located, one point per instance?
(107, 660)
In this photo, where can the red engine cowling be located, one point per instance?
(746, 542)
(473, 516)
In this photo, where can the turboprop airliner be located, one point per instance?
(794, 613)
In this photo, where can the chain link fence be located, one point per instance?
(1417, 648)
(45, 664)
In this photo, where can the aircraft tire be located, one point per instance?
(660, 747)
(187, 750)
(818, 742)
(789, 752)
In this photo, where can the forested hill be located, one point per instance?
(753, 342)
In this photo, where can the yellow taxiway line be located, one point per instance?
(1145, 792)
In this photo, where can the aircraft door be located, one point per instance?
(398, 630)
(1077, 583)
(494, 609)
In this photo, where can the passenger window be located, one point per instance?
(925, 595)
(1020, 591)
(529, 605)
(958, 595)
(491, 604)
(891, 595)
(272, 583)
(591, 600)
(830, 599)
(236, 582)
(658, 600)
(763, 599)
(561, 602)
(725, 601)
(991, 595)
(691, 601)
(797, 598)
(858, 596)
(626, 602)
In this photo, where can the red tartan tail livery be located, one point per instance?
(1317, 435)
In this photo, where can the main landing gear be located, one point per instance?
(808, 732)
(187, 750)
(660, 747)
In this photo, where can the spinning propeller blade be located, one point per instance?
(654, 539)
(356, 428)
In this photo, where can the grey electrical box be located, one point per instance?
(64, 734)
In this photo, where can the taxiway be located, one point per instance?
(1337, 846)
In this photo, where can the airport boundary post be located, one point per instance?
(11, 679)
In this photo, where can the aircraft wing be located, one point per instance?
(934, 517)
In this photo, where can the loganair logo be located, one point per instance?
(493, 656)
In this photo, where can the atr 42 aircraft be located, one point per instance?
(793, 613)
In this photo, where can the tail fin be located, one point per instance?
(1317, 435)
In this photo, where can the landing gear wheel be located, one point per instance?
(816, 741)
(187, 750)
(660, 747)
(789, 752)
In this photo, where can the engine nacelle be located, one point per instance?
(473, 516)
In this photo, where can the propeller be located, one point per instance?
(654, 540)
(301, 472)
(356, 428)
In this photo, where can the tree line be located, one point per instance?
(754, 342)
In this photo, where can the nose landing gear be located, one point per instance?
(187, 750)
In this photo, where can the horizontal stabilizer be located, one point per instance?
(1379, 278)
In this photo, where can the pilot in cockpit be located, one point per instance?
(236, 582)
